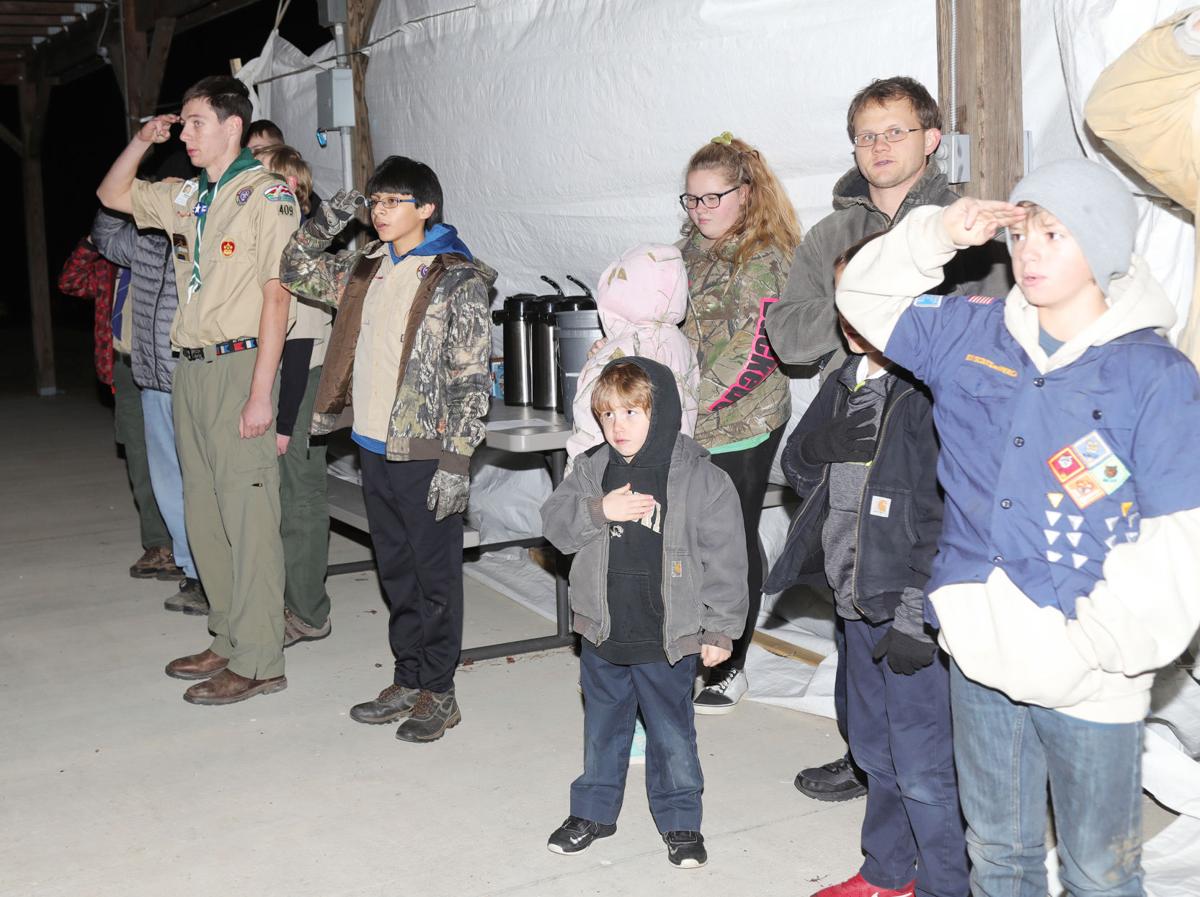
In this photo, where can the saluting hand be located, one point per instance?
(972, 222)
(625, 504)
(158, 129)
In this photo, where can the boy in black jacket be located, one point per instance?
(864, 458)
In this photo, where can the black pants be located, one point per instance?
(420, 569)
(749, 470)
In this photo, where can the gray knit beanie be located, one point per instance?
(1093, 204)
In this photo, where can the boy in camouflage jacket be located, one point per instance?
(409, 352)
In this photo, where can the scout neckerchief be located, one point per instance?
(207, 196)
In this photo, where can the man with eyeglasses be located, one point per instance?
(894, 127)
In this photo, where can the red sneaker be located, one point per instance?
(860, 887)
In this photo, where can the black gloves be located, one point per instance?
(849, 438)
(905, 654)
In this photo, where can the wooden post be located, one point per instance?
(360, 15)
(133, 66)
(34, 93)
(987, 85)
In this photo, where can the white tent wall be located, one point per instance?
(1066, 44)
(560, 128)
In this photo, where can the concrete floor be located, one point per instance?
(111, 785)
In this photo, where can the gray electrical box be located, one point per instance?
(335, 99)
(954, 156)
(331, 12)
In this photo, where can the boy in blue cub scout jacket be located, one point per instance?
(1068, 561)
(656, 580)
(864, 456)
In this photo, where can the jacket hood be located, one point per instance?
(439, 240)
(665, 417)
(1136, 301)
(646, 285)
(852, 189)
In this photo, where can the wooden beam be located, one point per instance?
(37, 20)
(133, 66)
(47, 8)
(12, 140)
(360, 15)
(206, 12)
(156, 63)
(987, 86)
(33, 96)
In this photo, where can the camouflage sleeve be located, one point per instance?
(310, 272)
(465, 354)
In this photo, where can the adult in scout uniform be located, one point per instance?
(228, 228)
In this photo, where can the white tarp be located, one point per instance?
(560, 129)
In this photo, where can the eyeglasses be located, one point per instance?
(891, 135)
(709, 200)
(388, 202)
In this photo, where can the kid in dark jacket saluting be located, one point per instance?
(864, 458)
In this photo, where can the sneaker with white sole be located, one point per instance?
(686, 849)
(724, 689)
(576, 834)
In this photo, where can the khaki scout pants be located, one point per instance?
(305, 506)
(231, 505)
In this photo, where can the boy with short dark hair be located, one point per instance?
(1068, 557)
(656, 580)
(412, 338)
(864, 457)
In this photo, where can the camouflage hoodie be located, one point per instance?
(742, 391)
(443, 385)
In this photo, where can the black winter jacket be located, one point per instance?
(897, 537)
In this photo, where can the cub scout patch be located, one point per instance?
(880, 506)
(927, 301)
(981, 300)
(991, 365)
(227, 248)
(422, 272)
(278, 193)
(1065, 464)
(676, 569)
(180, 245)
(1088, 470)
(243, 196)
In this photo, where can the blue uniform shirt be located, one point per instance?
(1045, 473)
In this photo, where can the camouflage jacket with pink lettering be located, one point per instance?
(743, 393)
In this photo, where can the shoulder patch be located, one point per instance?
(981, 300)
(927, 301)
(278, 193)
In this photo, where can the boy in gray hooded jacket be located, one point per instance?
(656, 581)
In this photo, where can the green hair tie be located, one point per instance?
(724, 137)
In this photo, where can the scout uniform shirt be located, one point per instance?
(248, 223)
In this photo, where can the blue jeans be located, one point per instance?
(612, 694)
(1006, 753)
(165, 478)
(900, 736)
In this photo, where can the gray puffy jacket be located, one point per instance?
(704, 550)
(145, 253)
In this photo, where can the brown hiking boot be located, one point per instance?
(394, 702)
(156, 563)
(296, 630)
(434, 713)
(227, 687)
(197, 666)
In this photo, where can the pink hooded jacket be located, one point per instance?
(642, 298)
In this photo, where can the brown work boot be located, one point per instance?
(296, 630)
(197, 666)
(431, 716)
(394, 702)
(156, 563)
(227, 687)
